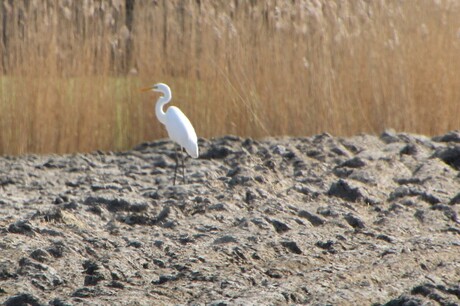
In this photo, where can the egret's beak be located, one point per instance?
(146, 89)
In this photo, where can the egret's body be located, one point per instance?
(179, 128)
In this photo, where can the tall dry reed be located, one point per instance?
(70, 71)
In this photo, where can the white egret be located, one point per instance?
(177, 125)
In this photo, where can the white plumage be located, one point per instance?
(181, 130)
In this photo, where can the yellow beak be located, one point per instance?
(146, 89)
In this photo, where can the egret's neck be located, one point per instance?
(159, 106)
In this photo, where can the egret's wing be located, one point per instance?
(181, 130)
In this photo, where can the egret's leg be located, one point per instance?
(177, 164)
(183, 167)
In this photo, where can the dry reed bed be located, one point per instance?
(71, 71)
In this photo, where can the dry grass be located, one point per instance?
(71, 70)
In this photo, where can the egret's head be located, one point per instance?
(160, 87)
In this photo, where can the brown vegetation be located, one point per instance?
(70, 71)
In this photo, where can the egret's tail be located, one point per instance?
(193, 151)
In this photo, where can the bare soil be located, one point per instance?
(363, 220)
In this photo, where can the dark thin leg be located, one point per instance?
(183, 167)
(177, 164)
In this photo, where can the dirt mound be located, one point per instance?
(320, 220)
